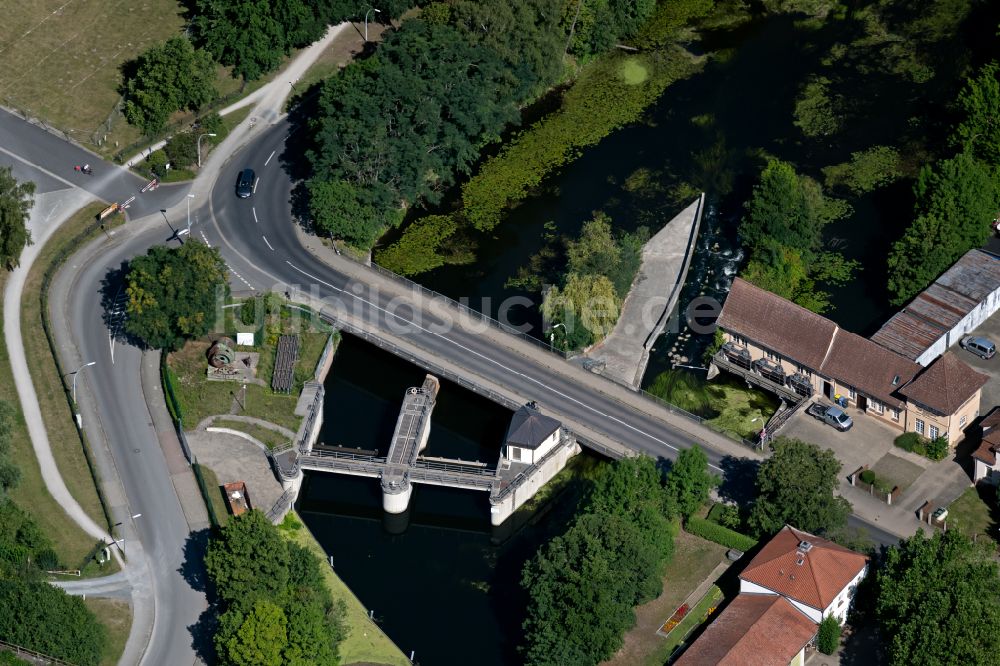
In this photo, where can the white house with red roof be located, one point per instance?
(795, 581)
(817, 576)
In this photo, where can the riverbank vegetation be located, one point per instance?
(584, 584)
(275, 606)
(725, 404)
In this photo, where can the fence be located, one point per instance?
(24, 652)
(196, 468)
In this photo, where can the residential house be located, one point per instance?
(754, 630)
(795, 581)
(965, 296)
(817, 576)
(798, 349)
(985, 457)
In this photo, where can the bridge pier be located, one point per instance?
(413, 429)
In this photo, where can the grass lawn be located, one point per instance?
(116, 616)
(71, 543)
(63, 436)
(740, 412)
(270, 438)
(61, 60)
(200, 398)
(897, 471)
(696, 616)
(365, 642)
(216, 495)
(975, 512)
(694, 559)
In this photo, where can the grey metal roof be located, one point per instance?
(937, 309)
(529, 428)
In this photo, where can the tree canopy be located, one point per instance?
(783, 227)
(957, 199)
(16, 200)
(173, 293)
(166, 78)
(939, 601)
(795, 487)
(276, 607)
(979, 131)
(689, 481)
(583, 585)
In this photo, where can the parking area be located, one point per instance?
(991, 392)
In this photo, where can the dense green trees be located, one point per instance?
(689, 481)
(595, 25)
(422, 248)
(173, 293)
(783, 227)
(939, 601)
(42, 617)
(584, 584)
(957, 199)
(252, 36)
(867, 171)
(979, 131)
(164, 79)
(396, 129)
(795, 487)
(276, 608)
(16, 200)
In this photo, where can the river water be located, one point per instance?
(439, 579)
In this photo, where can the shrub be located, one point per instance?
(157, 163)
(867, 476)
(937, 449)
(248, 312)
(828, 639)
(908, 441)
(182, 150)
(726, 515)
(724, 536)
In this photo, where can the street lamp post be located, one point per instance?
(199, 145)
(552, 334)
(189, 197)
(75, 372)
(370, 10)
(122, 540)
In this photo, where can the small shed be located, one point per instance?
(237, 498)
(531, 435)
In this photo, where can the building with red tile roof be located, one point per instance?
(816, 575)
(753, 630)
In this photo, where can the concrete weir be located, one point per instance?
(624, 354)
(410, 438)
(535, 448)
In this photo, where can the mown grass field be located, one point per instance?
(60, 60)
(116, 616)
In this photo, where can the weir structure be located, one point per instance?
(535, 449)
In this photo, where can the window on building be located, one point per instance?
(895, 415)
(934, 432)
(878, 407)
(961, 421)
(515, 453)
(919, 427)
(851, 394)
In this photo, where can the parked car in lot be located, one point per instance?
(833, 416)
(244, 184)
(981, 347)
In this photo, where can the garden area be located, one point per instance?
(933, 449)
(199, 398)
(725, 403)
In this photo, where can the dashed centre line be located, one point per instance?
(269, 158)
(268, 244)
(254, 215)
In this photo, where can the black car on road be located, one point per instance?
(244, 184)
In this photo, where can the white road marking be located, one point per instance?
(269, 158)
(268, 244)
(204, 237)
(254, 215)
(35, 166)
(497, 363)
(255, 185)
(242, 279)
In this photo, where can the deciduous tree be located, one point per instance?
(164, 79)
(689, 481)
(16, 200)
(173, 293)
(939, 601)
(979, 131)
(795, 487)
(255, 637)
(587, 301)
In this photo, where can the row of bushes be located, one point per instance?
(724, 536)
(935, 449)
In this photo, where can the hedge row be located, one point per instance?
(724, 536)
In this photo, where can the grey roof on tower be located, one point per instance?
(529, 428)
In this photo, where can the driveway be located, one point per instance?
(991, 392)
